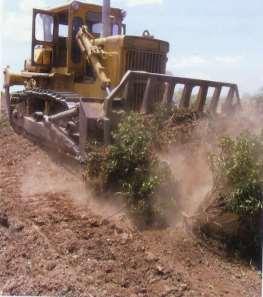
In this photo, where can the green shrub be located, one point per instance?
(131, 150)
(237, 169)
(238, 173)
(131, 167)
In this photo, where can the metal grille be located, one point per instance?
(143, 60)
(137, 59)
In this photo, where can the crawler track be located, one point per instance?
(57, 100)
(30, 111)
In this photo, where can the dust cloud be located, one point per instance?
(44, 173)
(190, 162)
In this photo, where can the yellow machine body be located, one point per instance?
(59, 53)
(79, 84)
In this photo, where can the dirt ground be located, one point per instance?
(56, 240)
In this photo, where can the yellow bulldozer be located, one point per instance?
(85, 73)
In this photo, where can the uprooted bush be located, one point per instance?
(237, 169)
(170, 125)
(131, 167)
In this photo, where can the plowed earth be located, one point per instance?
(55, 240)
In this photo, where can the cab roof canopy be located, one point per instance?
(81, 4)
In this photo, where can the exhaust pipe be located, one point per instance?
(106, 21)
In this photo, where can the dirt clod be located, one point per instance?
(4, 220)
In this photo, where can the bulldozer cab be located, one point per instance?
(54, 31)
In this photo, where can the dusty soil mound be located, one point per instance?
(56, 240)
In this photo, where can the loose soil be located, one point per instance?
(56, 240)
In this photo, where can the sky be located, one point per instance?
(216, 40)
